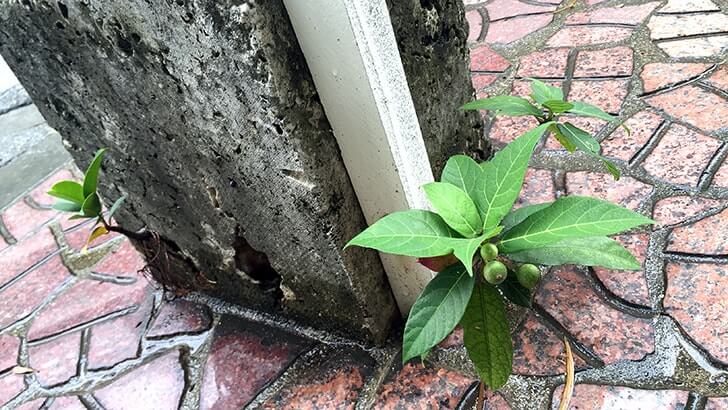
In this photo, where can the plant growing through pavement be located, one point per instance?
(486, 252)
(82, 200)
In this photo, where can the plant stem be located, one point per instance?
(481, 397)
(138, 236)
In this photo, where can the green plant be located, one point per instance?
(472, 204)
(82, 200)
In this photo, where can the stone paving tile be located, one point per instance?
(116, 340)
(573, 36)
(506, 129)
(719, 79)
(721, 177)
(136, 390)
(631, 15)
(475, 24)
(17, 259)
(676, 6)
(673, 26)
(622, 145)
(500, 9)
(607, 94)
(628, 285)
(615, 61)
(80, 304)
(566, 295)
(538, 187)
(21, 220)
(695, 106)
(537, 350)
(708, 236)
(483, 58)
(415, 386)
(180, 316)
(8, 351)
(677, 209)
(10, 385)
(627, 191)
(593, 397)
(696, 299)
(548, 64)
(695, 47)
(480, 81)
(657, 76)
(332, 380)
(680, 146)
(717, 403)
(67, 403)
(31, 290)
(508, 31)
(126, 261)
(55, 361)
(245, 352)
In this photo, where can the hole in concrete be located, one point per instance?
(63, 9)
(124, 45)
(256, 265)
(135, 37)
(429, 4)
(60, 25)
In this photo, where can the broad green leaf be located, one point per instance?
(579, 138)
(115, 206)
(69, 190)
(514, 291)
(542, 92)
(561, 138)
(505, 104)
(437, 311)
(587, 110)
(591, 251)
(570, 217)
(557, 106)
(463, 172)
(455, 207)
(586, 143)
(411, 233)
(66, 206)
(503, 176)
(516, 216)
(465, 249)
(91, 178)
(91, 206)
(486, 336)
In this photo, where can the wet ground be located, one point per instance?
(84, 331)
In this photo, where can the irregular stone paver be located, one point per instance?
(627, 191)
(500, 9)
(676, 6)
(415, 386)
(628, 285)
(664, 27)
(607, 94)
(588, 35)
(593, 397)
(475, 23)
(695, 106)
(656, 76)
(55, 361)
(538, 187)
(155, 386)
(508, 31)
(631, 15)
(695, 47)
(696, 298)
(622, 145)
(549, 64)
(716, 404)
(708, 236)
(719, 79)
(721, 177)
(680, 146)
(615, 61)
(677, 209)
(568, 298)
(239, 352)
(483, 58)
(180, 316)
(537, 350)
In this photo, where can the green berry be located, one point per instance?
(495, 272)
(488, 252)
(528, 275)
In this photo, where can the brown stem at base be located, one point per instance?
(137, 236)
(481, 397)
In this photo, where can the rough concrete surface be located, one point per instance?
(217, 138)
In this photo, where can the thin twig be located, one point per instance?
(569, 383)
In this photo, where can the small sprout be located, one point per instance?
(495, 272)
(488, 252)
(528, 275)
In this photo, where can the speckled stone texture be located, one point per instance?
(233, 144)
